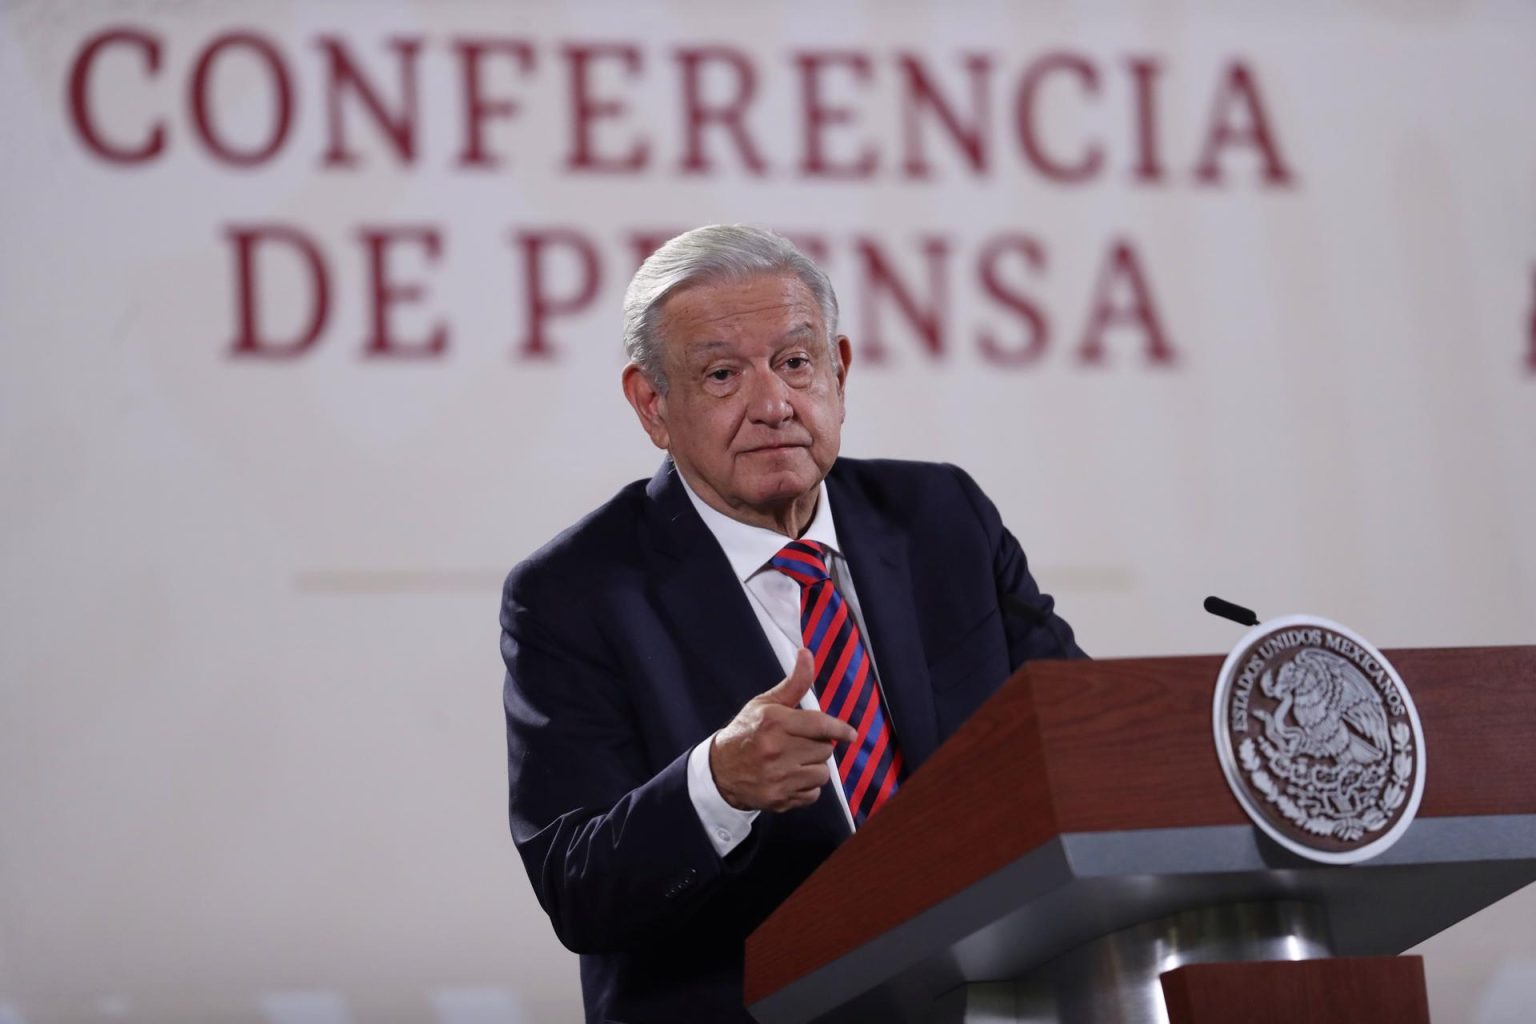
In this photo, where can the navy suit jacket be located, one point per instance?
(629, 640)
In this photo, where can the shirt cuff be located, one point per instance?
(726, 826)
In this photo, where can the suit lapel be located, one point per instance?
(701, 596)
(877, 558)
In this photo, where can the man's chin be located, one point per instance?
(783, 488)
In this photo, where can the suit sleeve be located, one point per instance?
(615, 850)
(1034, 629)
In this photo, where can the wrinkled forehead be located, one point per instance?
(761, 309)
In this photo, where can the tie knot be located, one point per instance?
(803, 561)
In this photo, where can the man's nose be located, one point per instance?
(768, 398)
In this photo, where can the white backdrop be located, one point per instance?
(1210, 297)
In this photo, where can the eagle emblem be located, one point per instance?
(1335, 713)
(1319, 739)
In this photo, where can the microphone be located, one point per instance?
(1227, 610)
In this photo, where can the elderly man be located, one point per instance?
(717, 676)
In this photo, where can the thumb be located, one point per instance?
(795, 685)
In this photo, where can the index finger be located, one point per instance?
(818, 725)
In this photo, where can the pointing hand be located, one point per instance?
(773, 754)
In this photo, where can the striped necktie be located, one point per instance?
(845, 680)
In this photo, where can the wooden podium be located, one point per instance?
(1073, 853)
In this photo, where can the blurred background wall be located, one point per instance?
(309, 331)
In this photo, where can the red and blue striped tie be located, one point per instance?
(845, 680)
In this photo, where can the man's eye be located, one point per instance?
(797, 362)
(720, 375)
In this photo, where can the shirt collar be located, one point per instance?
(748, 548)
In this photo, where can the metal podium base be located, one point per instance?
(1114, 979)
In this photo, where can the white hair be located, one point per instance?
(719, 252)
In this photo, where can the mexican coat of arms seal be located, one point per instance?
(1319, 739)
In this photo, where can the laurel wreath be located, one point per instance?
(1319, 821)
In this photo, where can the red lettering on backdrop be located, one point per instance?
(728, 114)
(817, 115)
(541, 304)
(880, 278)
(250, 340)
(562, 269)
(398, 127)
(1027, 117)
(718, 87)
(587, 110)
(920, 93)
(479, 108)
(282, 99)
(1122, 268)
(1238, 119)
(1036, 328)
(1148, 170)
(384, 293)
(79, 97)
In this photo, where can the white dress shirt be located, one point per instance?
(775, 598)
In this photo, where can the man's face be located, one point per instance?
(753, 413)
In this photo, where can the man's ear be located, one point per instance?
(649, 404)
(844, 360)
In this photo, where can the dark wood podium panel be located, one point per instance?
(1102, 805)
(1344, 990)
(1122, 740)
